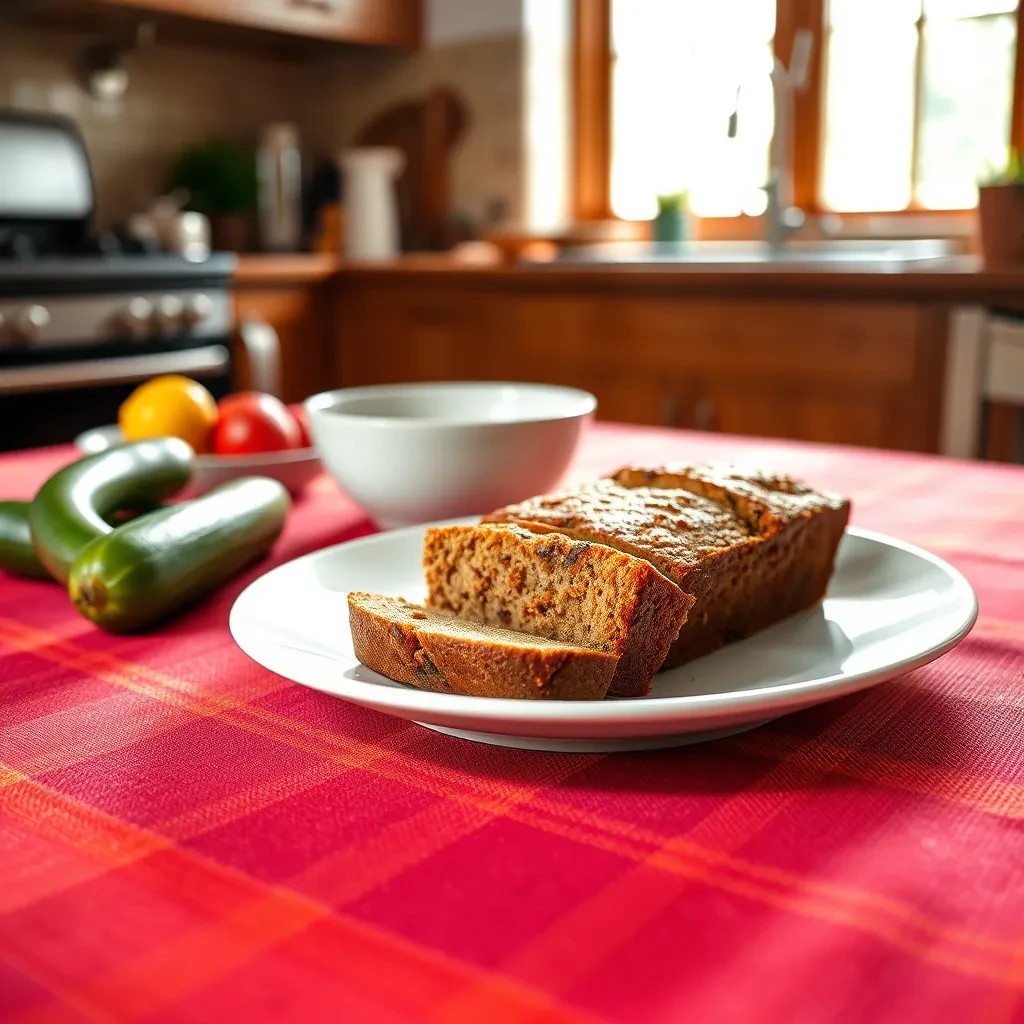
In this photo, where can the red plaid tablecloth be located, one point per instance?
(186, 837)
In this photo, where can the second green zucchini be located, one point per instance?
(150, 567)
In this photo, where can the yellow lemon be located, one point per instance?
(170, 406)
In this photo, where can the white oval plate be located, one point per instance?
(891, 607)
(294, 468)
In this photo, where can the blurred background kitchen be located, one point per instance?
(757, 217)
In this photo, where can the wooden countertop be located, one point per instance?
(286, 268)
(960, 279)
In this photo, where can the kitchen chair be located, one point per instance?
(984, 408)
(1002, 390)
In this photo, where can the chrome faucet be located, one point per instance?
(781, 216)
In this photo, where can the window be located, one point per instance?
(681, 68)
(909, 102)
(918, 101)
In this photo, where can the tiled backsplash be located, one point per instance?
(180, 95)
(176, 96)
(487, 165)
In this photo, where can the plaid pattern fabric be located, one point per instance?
(186, 837)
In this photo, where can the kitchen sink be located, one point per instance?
(831, 253)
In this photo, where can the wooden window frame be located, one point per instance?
(591, 159)
(591, 162)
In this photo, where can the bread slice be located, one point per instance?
(584, 594)
(437, 651)
(751, 548)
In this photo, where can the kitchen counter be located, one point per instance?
(959, 280)
(286, 268)
(257, 269)
(711, 347)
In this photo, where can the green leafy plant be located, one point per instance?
(219, 176)
(674, 202)
(1011, 173)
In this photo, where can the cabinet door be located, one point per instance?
(778, 410)
(836, 372)
(818, 344)
(408, 332)
(641, 399)
(297, 314)
(403, 332)
(372, 22)
(636, 399)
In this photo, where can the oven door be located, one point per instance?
(53, 400)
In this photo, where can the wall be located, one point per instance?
(448, 21)
(176, 96)
(476, 47)
(180, 95)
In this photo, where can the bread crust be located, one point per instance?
(437, 651)
(575, 591)
(749, 547)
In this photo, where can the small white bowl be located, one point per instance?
(293, 468)
(409, 453)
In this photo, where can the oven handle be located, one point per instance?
(194, 362)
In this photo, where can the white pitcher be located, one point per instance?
(371, 206)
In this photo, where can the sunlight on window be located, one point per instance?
(966, 99)
(681, 68)
(917, 101)
(869, 105)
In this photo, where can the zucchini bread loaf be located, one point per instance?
(575, 591)
(749, 548)
(437, 651)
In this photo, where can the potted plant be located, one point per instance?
(1001, 214)
(671, 222)
(220, 178)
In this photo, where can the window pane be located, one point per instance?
(940, 68)
(967, 8)
(869, 105)
(880, 13)
(966, 101)
(679, 65)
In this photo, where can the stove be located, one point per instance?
(84, 318)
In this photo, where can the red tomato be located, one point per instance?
(300, 418)
(254, 422)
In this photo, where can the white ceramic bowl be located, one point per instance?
(294, 468)
(409, 453)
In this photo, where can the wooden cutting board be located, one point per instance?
(426, 130)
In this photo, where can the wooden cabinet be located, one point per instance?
(833, 371)
(838, 371)
(371, 22)
(777, 409)
(418, 332)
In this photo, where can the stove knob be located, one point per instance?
(136, 318)
(169, 314)
(28, 324)
(197, 309)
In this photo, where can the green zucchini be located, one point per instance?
(73, 506)
(17, 553)
(150, 567)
